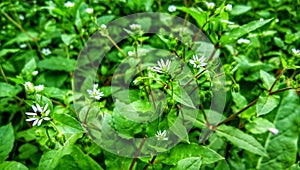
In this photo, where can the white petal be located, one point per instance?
(47, 112)
(31, 114)
(47, 118)
(45, 107)
(31, 119)
(34, 108)
(35, 122)
(39, 108)
(95, 86)
(40, 122)
(192, 61)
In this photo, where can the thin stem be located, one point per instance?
(138, 152)
(150, 163)
(282, 90)
(22, 29)
(3, 74)
(86, 115)
(195, 77)
(237, 113)
(116, 45)
(277, 78)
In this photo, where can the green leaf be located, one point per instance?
(8, 90)
(27, 150)
(12, 165)
(238, 32)
(241, 139)
(266, 104)
(3, 52)
(29, 67)
(192, 163)
(282, 148)
(105, 19)
(58, 63)
(239, 99)
(180, 95)
(199, 16)
(259, 125)
(67, 124)
(240, 9)
(68, 38)
(7, 141)
(267, 79)
(182, 151)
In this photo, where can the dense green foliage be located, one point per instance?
(41, 126)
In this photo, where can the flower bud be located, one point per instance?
(29, 87)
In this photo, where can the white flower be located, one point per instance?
(261, 19)
(46, 51)
(161, 135)
(39, 114)
(34, 73)
(130, 53)
(29, 87)
(228, 7)
(135, 26)
(69, 4)
(162, 66)
(274, 131)
(21, 17)
(198, 62)
(210, 5)
(277, 20)
(89, 10)
(295, 51)
(23, 45)
(172, 8)
(242, 40)
(39, 88)
(103, 26)
(95, 93)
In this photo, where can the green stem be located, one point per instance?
(3, 74)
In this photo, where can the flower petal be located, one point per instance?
(40, 122)
(34, 108)
(39, 108)
(45, 107)
(35, 122)
(31, 114)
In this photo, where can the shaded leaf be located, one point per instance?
(12, 165)
(266, 104)
(241, 139)
(191, 163)
(67, 124)
(282, 148)
(7, 141)
(238, 32)
(58, 63)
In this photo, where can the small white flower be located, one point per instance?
(130, 53)
(89, 10)
(21, 17)
(162, 66)
(39, 114)
(274, 131)
(161, 135)
(228, 7)
(172, 8)
(261, 19)
(23, 45)
(296, 52)
(95, 93)
(135, 26)
(69, 4)
(210, 5)
(34, 73)
(46, 51)
(39, 88)
(103, 26)
(198, 62)
(29, 87)
(277, 20)
(242, 40)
